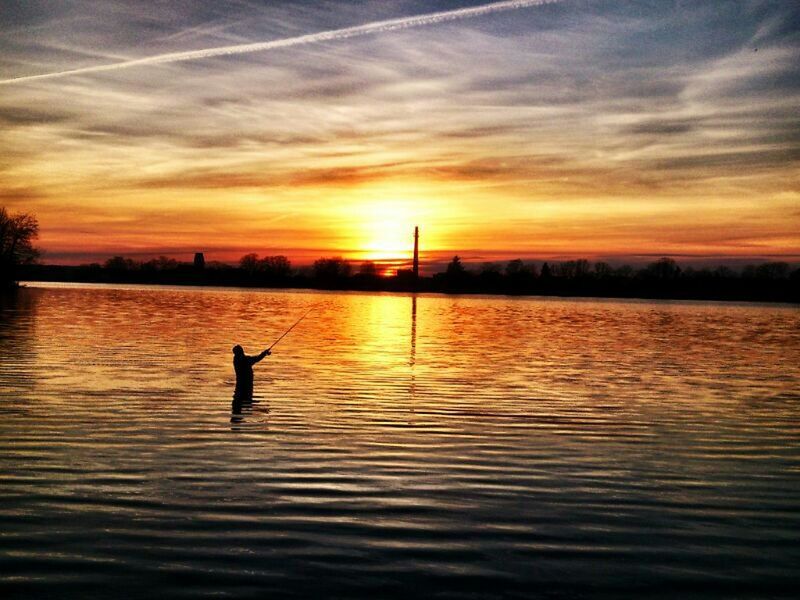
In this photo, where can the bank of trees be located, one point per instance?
(17, 234)
(663, 278)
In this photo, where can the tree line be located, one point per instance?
(663, 278)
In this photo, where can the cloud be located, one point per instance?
(662, 127)
(20, 116)
(22, 196)
(314, 38)
(574, 110)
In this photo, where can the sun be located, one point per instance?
(387, 231)
(376, 222)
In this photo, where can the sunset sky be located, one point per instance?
(613, 129)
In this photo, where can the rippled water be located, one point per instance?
(455, 447)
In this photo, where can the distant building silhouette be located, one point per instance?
(199, 260)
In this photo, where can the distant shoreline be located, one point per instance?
(700, 288)
(40, 284)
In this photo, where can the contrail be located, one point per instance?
(322, 36)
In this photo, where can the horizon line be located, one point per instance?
(440, 257)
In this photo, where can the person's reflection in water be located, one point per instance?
(243, 394)
(245, 408)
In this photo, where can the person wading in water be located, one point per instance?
(243, 365)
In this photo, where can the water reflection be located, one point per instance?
(413, 356)
(412, 359)
(244, 408)
(637, 447)
(18, 355)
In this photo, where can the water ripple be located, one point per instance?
(396, 446)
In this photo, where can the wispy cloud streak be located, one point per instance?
(322, 36)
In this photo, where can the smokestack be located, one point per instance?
(416, 252)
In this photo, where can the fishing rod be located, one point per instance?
(285, 333)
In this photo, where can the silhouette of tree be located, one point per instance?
(565, 270)
(162, 263)
(275, 267)
(268, 269)
(574, 269)
(455, 269)
(546, 272)
(770, 271)
(624, 272)
(249, 263)
(582, 268)
(519, 276)
(368, 269)
(331, 271)
(17, 233)
(120, 263)
(664, 269)
(490, 277)
(603, 270)
(514, 267)
(723, 272)
(455, 276)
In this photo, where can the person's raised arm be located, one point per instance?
(259, 357)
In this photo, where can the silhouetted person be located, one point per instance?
(243, 365)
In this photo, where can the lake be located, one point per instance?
(397, 446)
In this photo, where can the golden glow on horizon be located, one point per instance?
(375, 221)
(385, 232)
